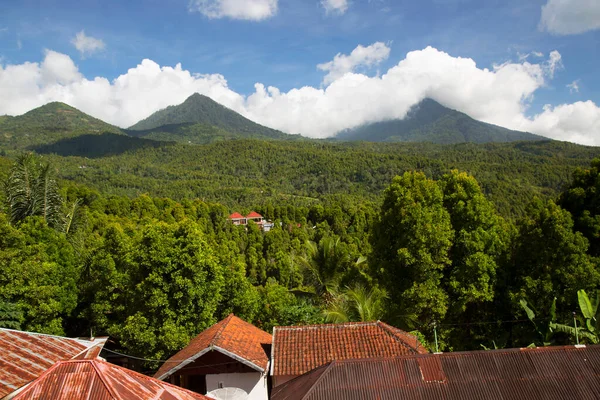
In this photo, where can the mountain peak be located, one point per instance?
(200, 109)
(429, 121)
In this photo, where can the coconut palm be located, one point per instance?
(356, 304)
(31, 191)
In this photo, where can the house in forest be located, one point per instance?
(238, 219)
(24, 356)
(569, 372)
(230, 356)
(299, 349)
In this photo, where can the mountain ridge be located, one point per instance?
(174, 122)
(429, 121)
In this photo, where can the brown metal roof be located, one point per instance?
(298, 349)
(99, 380)
(25, 355)
(233, 337)
(544, 373)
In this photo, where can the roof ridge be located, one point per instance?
(217, 335)
(103, 379)
(338, 325)
(386, 328)
(48, 335)
(327, 369)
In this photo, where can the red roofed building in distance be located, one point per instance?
(299, 349)
(24, 356)
(239, 219)
(556, 372)
(230, 354)
(99, 380)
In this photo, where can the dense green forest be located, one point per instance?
(152, 272)
(254, 172)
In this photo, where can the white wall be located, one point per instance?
(254, 383)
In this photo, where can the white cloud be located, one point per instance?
(335, 6)
(87, 45)
(500, 95)
(253, 10)
(574, 86)
(360, 57)
(570, 17)
(19, 44)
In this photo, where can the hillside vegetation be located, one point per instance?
(192, 121)
(47, 124)
(429, 121)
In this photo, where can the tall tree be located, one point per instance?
(550, 260)
(411, 240)
(479, 245)
(582, 200)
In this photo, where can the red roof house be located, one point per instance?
(299, 349)
(24, 356)
(254, 215)
(571, 372)
(99, 380)
(231, 353)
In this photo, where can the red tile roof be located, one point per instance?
(232, 336)
(254, 214)
(99, 380)
(298, 349)
(25, 355)
(236, 215)
(543, 373)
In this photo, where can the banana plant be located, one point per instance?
(590, 330)
(545, 331)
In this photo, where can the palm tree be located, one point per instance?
(356, 304)
(31, 191)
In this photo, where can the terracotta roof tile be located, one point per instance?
(236, 215)
(26, 355)
(298, 349)
(544, 373)
(232, 335)
(99, 380)
(254, 214)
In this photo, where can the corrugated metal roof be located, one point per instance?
(543, 373)
(298, 349)
(231, 335)
(99, 380)
(25, 355)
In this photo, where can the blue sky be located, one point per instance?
(283, 46)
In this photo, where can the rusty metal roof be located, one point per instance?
(231, 336)
(25, 355)
(298, 349)
(99, 380)
(548, 373)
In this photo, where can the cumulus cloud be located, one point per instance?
(335, 6)
(253, 10)
(360, 57)
(87, 45)
(574, 86)
(500, 95)
(570, 17)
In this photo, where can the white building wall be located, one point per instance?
(254, 383)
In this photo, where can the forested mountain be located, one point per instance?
(246, 172)
(199, 119)
(429, 121)
(47, 124)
